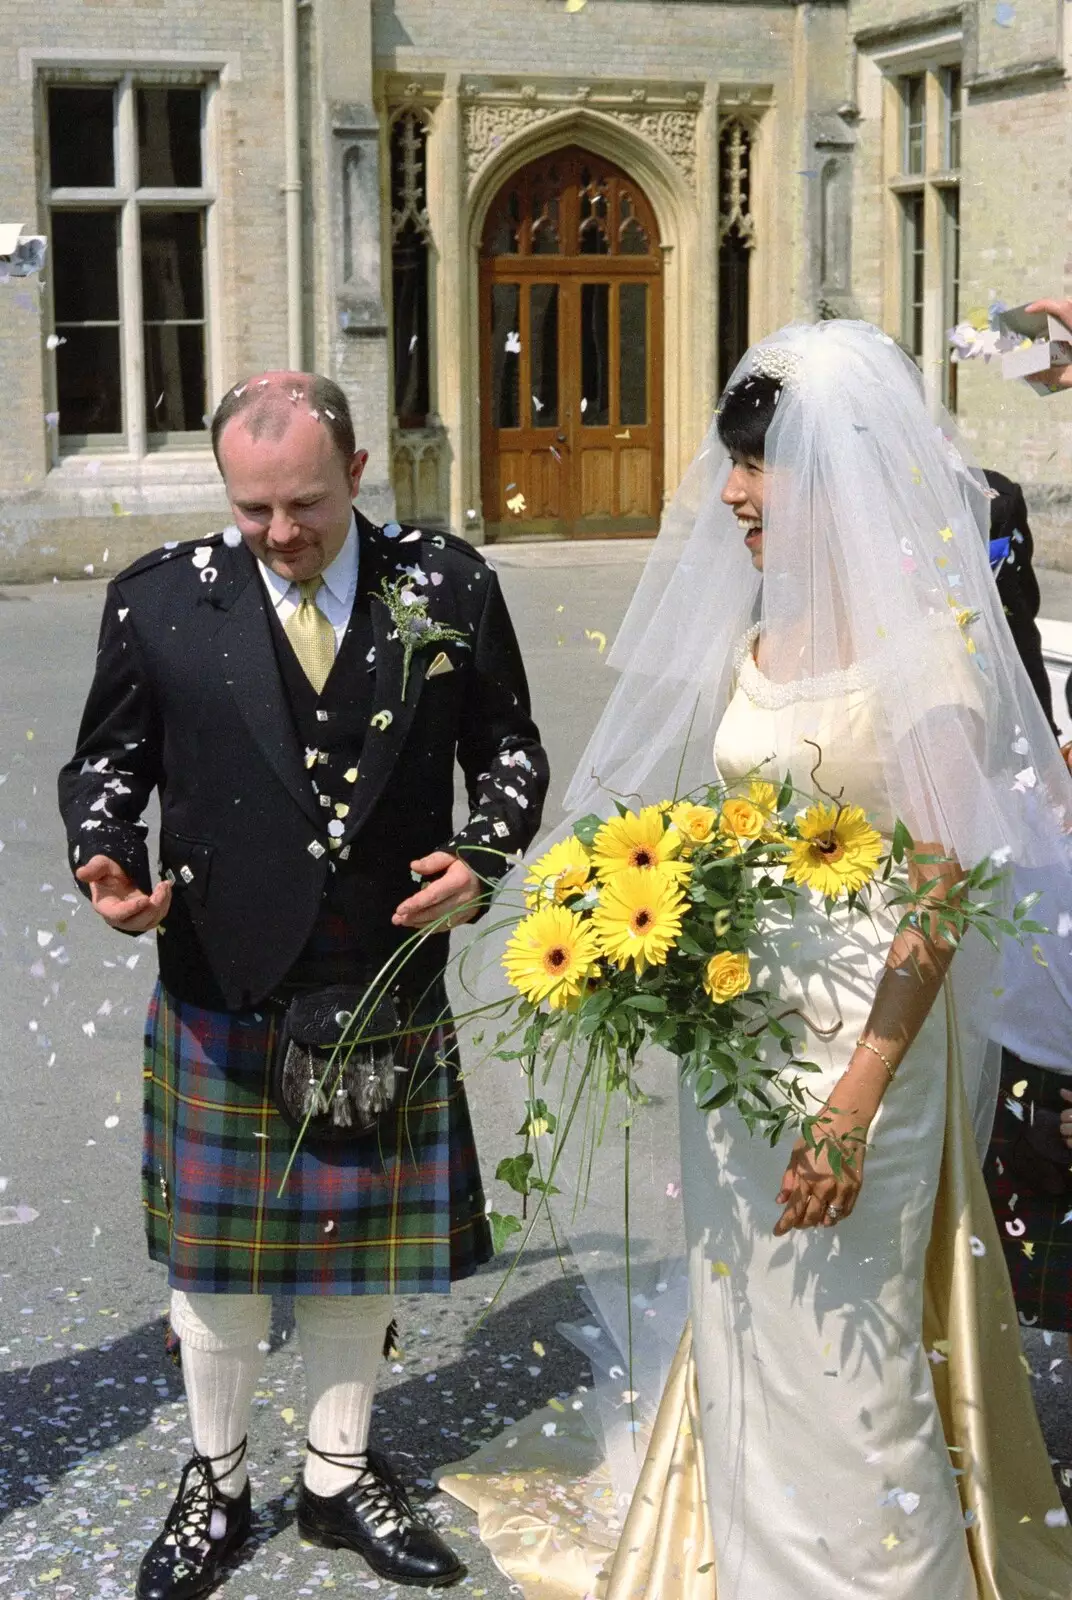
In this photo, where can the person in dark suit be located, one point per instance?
(1012, 553)
(299, 690)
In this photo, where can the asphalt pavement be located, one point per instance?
(92, 1420)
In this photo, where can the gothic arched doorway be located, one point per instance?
(571, 318)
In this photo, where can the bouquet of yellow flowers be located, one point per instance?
(638, 931)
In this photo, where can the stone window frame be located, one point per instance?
(127, 73)
(934, 195)
(411, 215)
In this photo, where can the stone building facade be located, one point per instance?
(528, 237)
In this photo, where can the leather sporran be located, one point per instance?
(337, 1067)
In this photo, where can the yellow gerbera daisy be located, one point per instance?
(637, 840)
(696, 824)
(562, 871)
(550, 956)
(838, 850)
(764, 796)
(638, 917)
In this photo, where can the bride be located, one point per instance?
(848, 1413)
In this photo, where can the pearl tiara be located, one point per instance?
(778, 361)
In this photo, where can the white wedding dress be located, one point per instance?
(828, 1472)
(866, 1428)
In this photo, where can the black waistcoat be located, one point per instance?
(331, 729)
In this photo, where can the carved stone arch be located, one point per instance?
(674, 199)
(665, 185)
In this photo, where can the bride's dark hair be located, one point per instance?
(745, 413)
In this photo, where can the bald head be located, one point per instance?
(284, 442)
(269, 403)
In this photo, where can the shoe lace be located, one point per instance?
(197, 1517)
(378, 1494)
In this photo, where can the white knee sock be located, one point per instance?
(221, 1364)
(342, 1344)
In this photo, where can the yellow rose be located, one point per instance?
(728, 975)
(740, 819)
(696, 824)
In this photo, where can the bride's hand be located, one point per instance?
(812, 1193)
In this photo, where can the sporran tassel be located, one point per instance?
(315, 1102)
(340, 1114)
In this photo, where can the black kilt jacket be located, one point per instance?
(1018, 587)
(188, 699)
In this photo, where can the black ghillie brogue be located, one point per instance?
(202, 1529)
(374, 1517)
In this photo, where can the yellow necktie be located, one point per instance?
(311, 635)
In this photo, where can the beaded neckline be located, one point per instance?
(764, 692)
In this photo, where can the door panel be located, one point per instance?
(634, 482)
(571, 382)
(597, 483)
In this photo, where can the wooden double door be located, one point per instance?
(571, 345)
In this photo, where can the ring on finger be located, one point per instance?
(833, 1212)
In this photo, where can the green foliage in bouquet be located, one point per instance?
(638, 934)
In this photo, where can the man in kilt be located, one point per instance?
(299, 690)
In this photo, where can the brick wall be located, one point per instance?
(608, 38)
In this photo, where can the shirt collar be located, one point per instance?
(340, 576)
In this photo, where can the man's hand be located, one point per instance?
(1066, 1119)
(453, 898)
(119, 900)
(1056, 377)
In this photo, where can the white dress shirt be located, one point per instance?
(335, 597)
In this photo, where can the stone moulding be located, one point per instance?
(907, 28)
(672, 128)
(1018, 75)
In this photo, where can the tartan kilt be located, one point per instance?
(400, 1211)
(1041, 1273)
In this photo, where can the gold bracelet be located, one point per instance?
(875, 1051)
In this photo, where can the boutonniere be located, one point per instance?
(414, 627)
